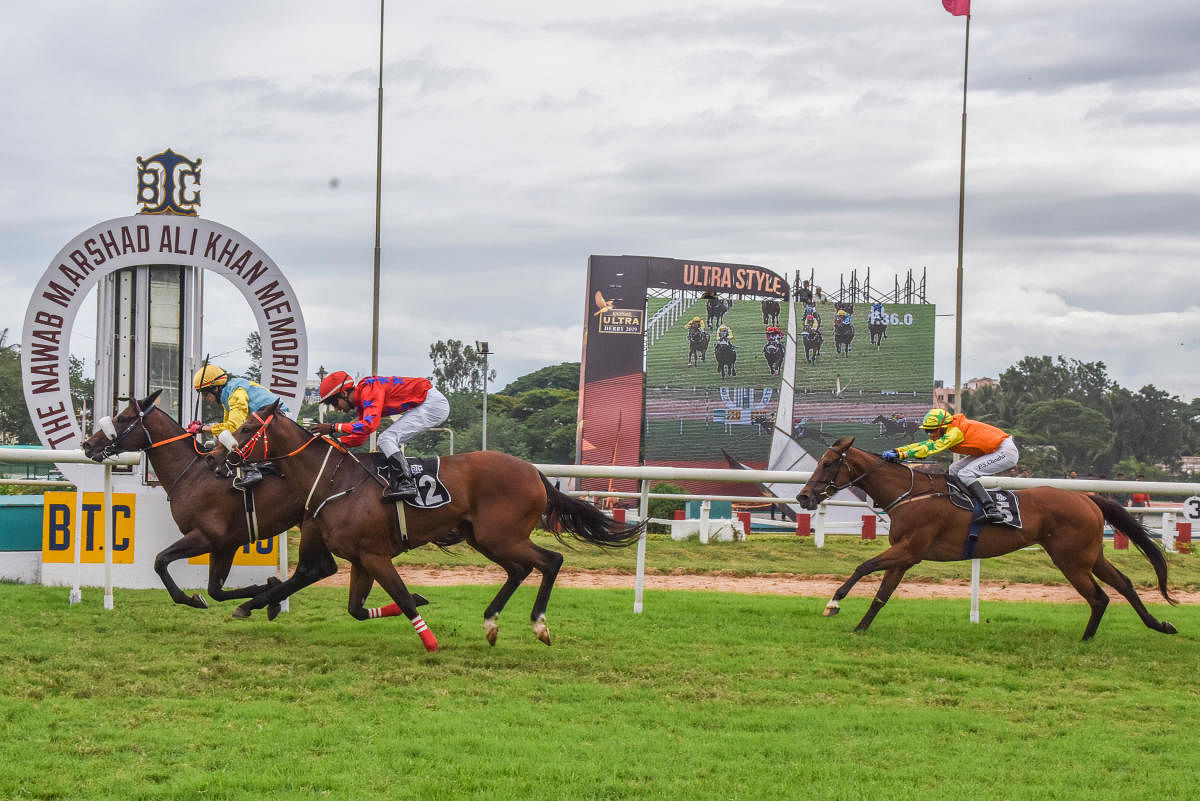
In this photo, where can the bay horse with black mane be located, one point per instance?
(209, 512)
(1068, 525)
(770, 312)
(495, 502)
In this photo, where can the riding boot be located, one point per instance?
(401, 484)
(990, 513)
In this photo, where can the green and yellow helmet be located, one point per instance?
(935, 419)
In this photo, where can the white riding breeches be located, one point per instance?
(969, 470)
(432, 412)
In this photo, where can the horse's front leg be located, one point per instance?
(891, 579)
(194, 543)
(315, 563)
(898, 555)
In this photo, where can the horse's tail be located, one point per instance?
(585, 521)
(1139, 535)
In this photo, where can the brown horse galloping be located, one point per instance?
(496, 500)
(209, 513)
(1068, 525)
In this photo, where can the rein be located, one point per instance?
(112, 448)
(831, 487)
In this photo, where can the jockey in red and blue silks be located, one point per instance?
(375, 397)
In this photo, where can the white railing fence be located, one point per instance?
(48, 456)
(649, 474)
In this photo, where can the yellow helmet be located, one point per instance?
(935, 419)
(208, 377)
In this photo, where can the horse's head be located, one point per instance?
(126, 432)
(831, 474)
(251, 442)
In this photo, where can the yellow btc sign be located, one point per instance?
(59, 530)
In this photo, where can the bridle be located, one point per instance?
(830, 487)
(244, 451)
(114, 439)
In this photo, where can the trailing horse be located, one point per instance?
(843, 335)
(726, 355)
(770, 312)
(1068, 525)
(877, 331)
(890, 427)
(774, 351)
(716, 311)
(812, 344)
(494, 501)
(697, 346)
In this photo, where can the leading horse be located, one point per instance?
(495, 500)
(1068, 525)
(209, 513)
(697, 346)
(726, 355)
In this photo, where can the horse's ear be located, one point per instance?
(843, 443)
(148, 401)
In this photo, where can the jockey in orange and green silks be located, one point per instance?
(988, 449)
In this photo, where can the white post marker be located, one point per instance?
(974, 590)
(639, 583)
(76, 530)
(110, 536)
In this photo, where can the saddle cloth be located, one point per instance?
(431, 492)
(1005, 500)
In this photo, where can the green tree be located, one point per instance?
(254, 351)
(15, 425)
(558, 376)
(457, 367)
(1079, 434)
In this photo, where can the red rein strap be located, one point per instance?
(173, 439)
(261, 433)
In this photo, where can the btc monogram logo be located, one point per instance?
(164, 183)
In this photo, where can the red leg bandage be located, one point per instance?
(391, 610)
(426, 635)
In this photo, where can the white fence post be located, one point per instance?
(110, 534)
(705, 511)
(819, 527)
(1168, 531)
(639, 582)
(76, 594)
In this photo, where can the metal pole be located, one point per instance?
(962, 188)
(378, 204)
(639, 581)
(483, 443)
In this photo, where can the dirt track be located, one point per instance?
(778, 584)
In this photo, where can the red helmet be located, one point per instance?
(335, 382)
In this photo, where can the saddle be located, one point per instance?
(1005, 500)
(431, 492)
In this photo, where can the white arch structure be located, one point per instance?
(135, 241)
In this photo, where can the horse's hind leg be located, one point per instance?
(518, 560)
(1080, 576)
(1108, 573)
(219, 566)
(360, 587)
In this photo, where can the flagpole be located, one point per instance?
(962, 187)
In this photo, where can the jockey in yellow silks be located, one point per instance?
(988, 449)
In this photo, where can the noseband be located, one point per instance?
(243, 452)
(830, 487)
(114, 439)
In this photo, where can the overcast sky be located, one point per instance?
(520, 137)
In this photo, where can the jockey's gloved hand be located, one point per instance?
(321, 429)
(194, 427)
(890, 456)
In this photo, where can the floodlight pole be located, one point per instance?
(482, 349)
(378, 197)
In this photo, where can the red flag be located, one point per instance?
(957, 7)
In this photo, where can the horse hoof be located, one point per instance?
(241, 613)
(1167, 628)
(490, 630)
(541, 630)
(831, 609)
(198, 602)
(272, 611)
